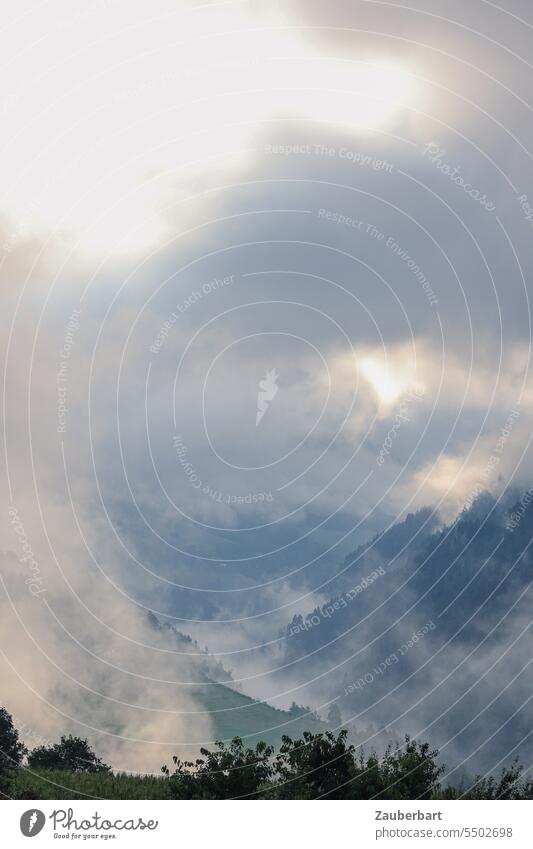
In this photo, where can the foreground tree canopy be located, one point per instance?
(317, 766)
(71, 753)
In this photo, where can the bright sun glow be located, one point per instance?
(182, 94)
(388, 383)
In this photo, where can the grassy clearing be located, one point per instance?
(234, 714)
(48, 784)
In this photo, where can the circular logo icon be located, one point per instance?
(32, 822)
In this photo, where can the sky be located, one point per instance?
(265, 280)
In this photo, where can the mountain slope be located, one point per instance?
(439, 644)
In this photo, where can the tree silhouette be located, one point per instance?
(12, 750)
(229, 772)
(71, 753)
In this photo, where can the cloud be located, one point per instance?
(264, 227)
